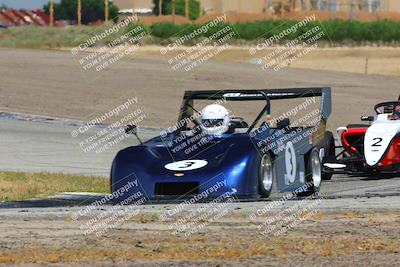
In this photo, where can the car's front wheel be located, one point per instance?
(266, 176)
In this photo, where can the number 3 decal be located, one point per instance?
(186, 165)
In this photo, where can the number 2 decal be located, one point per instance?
(377, 141)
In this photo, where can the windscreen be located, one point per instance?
(297, 112)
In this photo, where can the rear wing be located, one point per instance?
(263, 94)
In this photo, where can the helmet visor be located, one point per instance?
(210, 123)
(396, 111)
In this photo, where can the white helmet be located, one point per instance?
(214, 119)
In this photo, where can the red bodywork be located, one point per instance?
(393, 154)
(353, 141)
(352, 138)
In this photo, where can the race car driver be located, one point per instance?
(215, 119)
(396, 113)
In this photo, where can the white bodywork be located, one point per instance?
(379, 137)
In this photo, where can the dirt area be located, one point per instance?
(338, 239)
(363, 60)
(51, 83)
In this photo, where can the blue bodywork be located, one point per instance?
(233, 162)
(230, 159)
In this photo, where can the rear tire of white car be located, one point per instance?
(265, 176)
(313, 173)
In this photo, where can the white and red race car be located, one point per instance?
(367, 149)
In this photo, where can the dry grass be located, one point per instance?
(16, 186)
(199, 248)
(45, 37)
(352, 214)
(363, 60)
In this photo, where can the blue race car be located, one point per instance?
(212, 153)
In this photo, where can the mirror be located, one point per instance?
(281, 124)
(130, 129)
(367, 118)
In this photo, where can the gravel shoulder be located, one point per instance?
(334, 234)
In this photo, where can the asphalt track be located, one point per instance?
(40, 146)
(48, 146)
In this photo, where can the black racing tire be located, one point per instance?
(328, 144)
(111, 176)
(111, 189)
(266, 176)
(313, 173)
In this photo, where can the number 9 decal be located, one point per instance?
(291, 164)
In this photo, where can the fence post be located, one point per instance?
(51, 13)
(106, 11)
(79, 15)
(187, 9)
(173, 11)
(366, 66)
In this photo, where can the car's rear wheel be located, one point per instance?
(266, 176)
(328, 146)
(313, 173)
